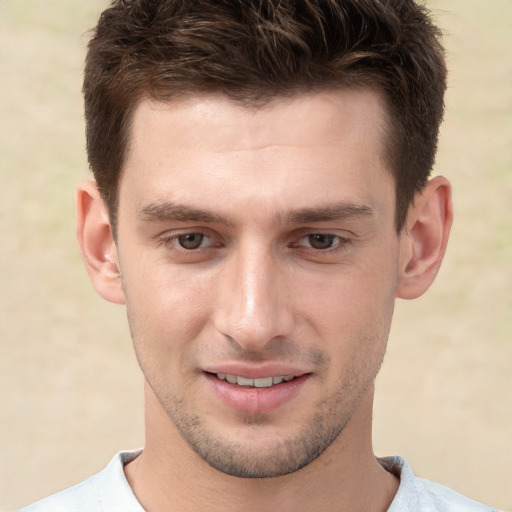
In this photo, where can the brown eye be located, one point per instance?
(321, 241)
(190, 241)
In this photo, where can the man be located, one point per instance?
(261, 197)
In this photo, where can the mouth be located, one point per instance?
(256, 391)
(265, 382)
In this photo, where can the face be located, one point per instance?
(259, 260)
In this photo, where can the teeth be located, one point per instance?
(241, 381)
(265, 382)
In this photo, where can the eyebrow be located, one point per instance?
(169, 211)
(339, 211)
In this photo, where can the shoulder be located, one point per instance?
(106, 491)
(421, 495)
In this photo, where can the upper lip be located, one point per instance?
(260, 371)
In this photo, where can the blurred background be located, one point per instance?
(70, 388)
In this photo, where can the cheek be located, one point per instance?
(166, 307)
(351, 299)
(351, 317)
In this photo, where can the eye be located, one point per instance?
(321, 241)
(187, 241)
(324, 242)
(191, 241)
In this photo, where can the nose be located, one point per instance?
(253, 305)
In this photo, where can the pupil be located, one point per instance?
(320, 241)
(190, 240)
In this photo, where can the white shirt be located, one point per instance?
(109, 491)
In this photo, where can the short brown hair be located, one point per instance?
(256, 50)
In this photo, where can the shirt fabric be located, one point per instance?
(109, 491)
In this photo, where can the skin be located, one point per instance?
(262, 242)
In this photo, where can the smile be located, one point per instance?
(265, 382)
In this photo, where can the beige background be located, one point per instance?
(70, 390)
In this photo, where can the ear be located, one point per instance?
(424, 238)
(97, 242)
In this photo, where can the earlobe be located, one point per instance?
(96, 242)
(424, 238)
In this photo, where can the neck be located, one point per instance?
(169, 476)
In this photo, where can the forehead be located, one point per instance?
(327, 144)
(297, 120)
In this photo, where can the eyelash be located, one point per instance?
(172, 240)
(340, 243)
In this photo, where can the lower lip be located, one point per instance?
(253, 400)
